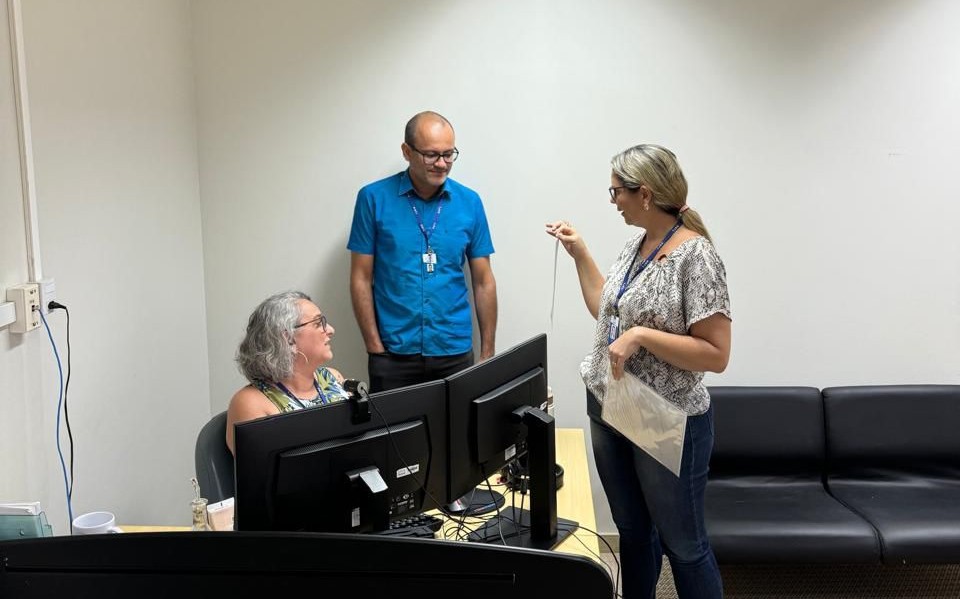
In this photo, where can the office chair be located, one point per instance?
(213, 460)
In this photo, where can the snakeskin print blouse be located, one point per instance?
(671, 294)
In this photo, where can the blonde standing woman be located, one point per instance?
(663, 315)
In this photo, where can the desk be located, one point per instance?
(139, 528)
(574, 500)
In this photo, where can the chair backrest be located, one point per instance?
(880, 430)
(213, 460)
(767, 431)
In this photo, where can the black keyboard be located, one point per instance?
(417, 525)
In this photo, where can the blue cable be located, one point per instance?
(63, 466)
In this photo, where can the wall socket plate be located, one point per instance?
(48, 293)
(26, 301)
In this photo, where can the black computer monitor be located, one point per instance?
(496, 411)
(245, 564)
(340, 468)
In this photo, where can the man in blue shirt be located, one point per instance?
(412, 233)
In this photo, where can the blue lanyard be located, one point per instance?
(627, 279)
(436, 219)
(297, 399)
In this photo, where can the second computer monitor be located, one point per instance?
(344, 467)
(484, 434)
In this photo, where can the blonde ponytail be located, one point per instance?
(691, 220)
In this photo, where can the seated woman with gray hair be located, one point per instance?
(282, 355)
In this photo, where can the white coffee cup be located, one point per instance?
(95, 523)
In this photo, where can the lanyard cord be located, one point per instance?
(299, 401)
(627, 279)
(436, 219)
(553, 298)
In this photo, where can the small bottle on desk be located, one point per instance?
(198, 508)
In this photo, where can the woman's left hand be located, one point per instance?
(622, 348)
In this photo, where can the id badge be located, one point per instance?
(430, 259)
(613, 331)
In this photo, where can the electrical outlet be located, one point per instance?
(48, 293)
(26, 300)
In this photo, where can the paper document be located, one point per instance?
(220, 514)
(20, 508)
(642, 415)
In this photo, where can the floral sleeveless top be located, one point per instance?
(328, 391)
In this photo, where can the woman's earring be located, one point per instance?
(646, 206)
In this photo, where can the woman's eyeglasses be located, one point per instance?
(613, 190)
(320, 322)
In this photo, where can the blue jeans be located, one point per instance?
(656, 512)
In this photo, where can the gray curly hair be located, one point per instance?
(265, 354)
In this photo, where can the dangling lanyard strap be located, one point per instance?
(627, 279)
(299, 401)
(613, 331)
(430, 258)
(436, 219)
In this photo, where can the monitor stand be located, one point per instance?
(539, 528)
(476, 502)
(503, 530)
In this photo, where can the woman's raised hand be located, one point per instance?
(591, 281)
(568, 236)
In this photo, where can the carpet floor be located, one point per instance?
(810, 581)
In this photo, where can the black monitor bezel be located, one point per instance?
(260, 442)
(212, 564)
(464, 387)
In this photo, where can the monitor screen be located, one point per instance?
(484, 435)
(320, 470)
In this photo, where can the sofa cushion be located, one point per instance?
(759, 430)
(918, 521)
(913, 428)
(894, 458)
(769, 520)
(765, 499)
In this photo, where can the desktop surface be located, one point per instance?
(574, 499)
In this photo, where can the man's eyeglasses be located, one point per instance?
(613, 190)
(432, 157)
(319, 322)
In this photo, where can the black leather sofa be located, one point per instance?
(848, 475)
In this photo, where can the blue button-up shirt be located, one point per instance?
(420, 312)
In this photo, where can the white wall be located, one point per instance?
(818, 139)
(114, 130)
(22, 358)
